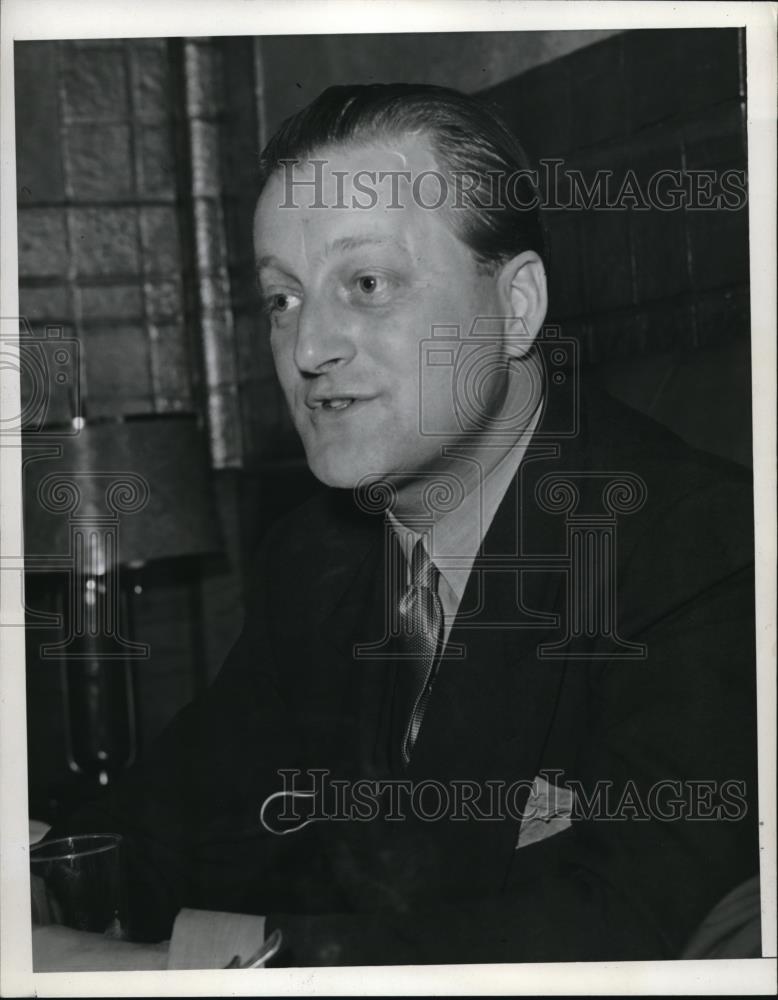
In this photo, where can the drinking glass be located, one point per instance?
(79, 882)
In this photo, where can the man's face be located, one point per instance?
(352, 293)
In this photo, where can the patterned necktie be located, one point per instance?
(421, 627)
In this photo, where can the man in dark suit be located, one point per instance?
(495, 695)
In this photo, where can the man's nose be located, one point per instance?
(323, 340)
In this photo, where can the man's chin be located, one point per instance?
(340, 472)
(370, 473)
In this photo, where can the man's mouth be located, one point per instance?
(339, 403)
(335, 404)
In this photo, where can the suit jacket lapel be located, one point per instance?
(356, 632)
(490, 712)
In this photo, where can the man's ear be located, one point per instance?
(524, 296)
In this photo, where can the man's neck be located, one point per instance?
(464, 465)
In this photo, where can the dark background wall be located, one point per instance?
(637, 282)
(658, 300)
(295, 68)
(136, 187)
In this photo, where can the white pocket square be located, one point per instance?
(548, 811)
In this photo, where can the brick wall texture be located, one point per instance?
(99, 241)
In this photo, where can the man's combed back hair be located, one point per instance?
(499, 217)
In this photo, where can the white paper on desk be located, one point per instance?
(206, 939)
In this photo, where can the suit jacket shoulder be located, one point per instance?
(695, 526)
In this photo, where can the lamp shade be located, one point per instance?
(143, 484)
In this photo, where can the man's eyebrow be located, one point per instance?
(341, 244)
(270, 261)
(357, 242)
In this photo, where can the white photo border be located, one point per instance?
(55, 19)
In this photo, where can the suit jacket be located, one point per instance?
(520, 702)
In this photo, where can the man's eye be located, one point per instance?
(279, 302)
(373, 286)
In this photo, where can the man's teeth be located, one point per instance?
(337, 404)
